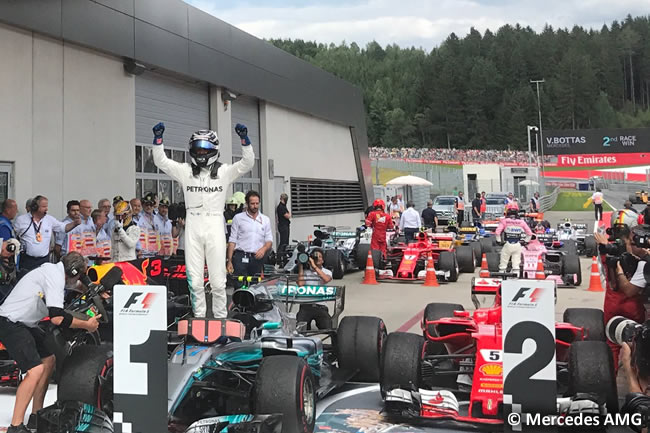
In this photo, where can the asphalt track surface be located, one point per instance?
(401, 307)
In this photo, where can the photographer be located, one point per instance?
(635, 363)
(624, 266)
(39, 294)
(8, 274)
(315, 275)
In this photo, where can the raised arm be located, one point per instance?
(172, 168)
(245, 164)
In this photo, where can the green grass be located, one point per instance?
(574, 202)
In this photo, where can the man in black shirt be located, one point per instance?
(476, 210)
(284, 219)
(429, 216)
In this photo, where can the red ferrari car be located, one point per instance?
(407, 261)
(454, 372)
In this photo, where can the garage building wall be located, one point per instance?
(303, 146)
(66, 120)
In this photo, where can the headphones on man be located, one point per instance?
(33, 206)
(73, 266)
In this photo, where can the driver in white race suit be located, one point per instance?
(512, 229)
(206, 183)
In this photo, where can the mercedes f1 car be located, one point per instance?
(264, 360)
(453, 373)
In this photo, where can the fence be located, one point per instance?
(546, 202)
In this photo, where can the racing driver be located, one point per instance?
(380, 221)
(205, 182)
(512, 229)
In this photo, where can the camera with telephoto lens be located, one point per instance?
(621, 330)
(303, 256)
(176, 211)
(641, 236)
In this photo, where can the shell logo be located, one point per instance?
(492, 369)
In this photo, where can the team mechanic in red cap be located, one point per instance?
(623, 288)
(380, 221)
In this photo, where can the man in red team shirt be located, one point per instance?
(380, 221)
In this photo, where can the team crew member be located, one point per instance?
(429, 216)
(9, 210)
(61, 239)
(39, 294)
(476, 210)
(162, 222)
(125, 234)
(460, 208)
(512, 229)
(205, 183)
(379, 221)
(410, 222)
(35, 233)
(250, 239)
(534, 203)
(284, 220)
(597, 198)
(483, 204)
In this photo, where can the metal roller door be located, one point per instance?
(246, 110)
(184, 107)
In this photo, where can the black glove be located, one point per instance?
(158, 131)
(242, 131)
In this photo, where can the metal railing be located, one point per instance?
(546, 202)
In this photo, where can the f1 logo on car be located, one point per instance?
(143, 305)
(525, 298)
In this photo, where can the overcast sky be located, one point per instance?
(422, 23)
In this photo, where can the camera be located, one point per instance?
(176, 211)
(620, 330)
(641, 236)
(303, 256)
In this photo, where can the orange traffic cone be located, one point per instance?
(594, 282)
(485, 273)
(539, 273)
(430, 279)
(369, 277)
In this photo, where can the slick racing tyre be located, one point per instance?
(591, 370)
(401, 362)
(570, 246)
(487, 245)
(87, 377)
(448, 262)
(572, 267)
(591, 247)
(478, 255)
(590, 319)
(360, 341)
(436, 311)
(362, 256)
(466, 260)
(286, 386)
(493, 260)
(333, 260)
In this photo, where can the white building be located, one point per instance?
(83, 82)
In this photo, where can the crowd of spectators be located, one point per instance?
(460, 155)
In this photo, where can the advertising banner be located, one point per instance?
(596, 141)
(603, 159)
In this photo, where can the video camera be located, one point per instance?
(303, 256)
(176, 211)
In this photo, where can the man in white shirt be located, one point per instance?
(164, 226)
(147, 223)
(85, 210)
(250, 239)
(34, 231)
(597, 198)
(410, 222)
(73, 208)
(38, 295)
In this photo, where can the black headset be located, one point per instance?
(33, 205)
(72, 270)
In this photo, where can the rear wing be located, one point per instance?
(294, 294)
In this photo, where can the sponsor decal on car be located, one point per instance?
(307, 291)
(492, 369)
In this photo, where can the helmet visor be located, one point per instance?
(203, 144)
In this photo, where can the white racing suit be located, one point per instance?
(512, 230)
(205, 238)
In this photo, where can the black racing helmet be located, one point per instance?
(204, 148)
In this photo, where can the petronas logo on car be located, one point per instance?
(308, 291)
